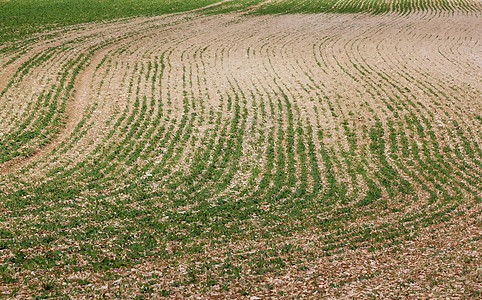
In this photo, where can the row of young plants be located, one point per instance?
(371, 6)
(182, 170)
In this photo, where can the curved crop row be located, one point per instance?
(255, 148)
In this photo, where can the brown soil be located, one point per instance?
(333, 69)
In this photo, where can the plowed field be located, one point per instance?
(246, 154)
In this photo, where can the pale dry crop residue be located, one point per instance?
(318, 92)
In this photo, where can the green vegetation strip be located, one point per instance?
(19, 18)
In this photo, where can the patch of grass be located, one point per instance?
(19, 18)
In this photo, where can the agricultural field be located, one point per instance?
(241, 149)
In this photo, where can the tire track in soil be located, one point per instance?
(74, 107)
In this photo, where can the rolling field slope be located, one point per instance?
(241, 149)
